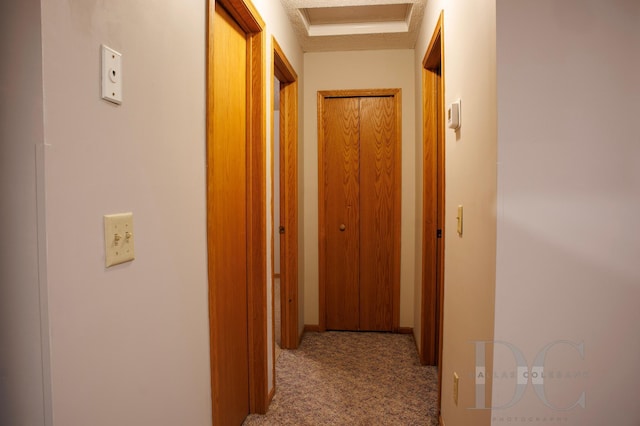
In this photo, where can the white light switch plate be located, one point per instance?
(454, 115)
(111, 75)
(118, 238)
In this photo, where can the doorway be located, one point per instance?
(359, 135)
(236, 212)
(285, 190)
(433, 176)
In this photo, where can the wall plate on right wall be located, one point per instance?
(453, 115)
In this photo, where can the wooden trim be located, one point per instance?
(245, 14)
(433, 202)
(272, 393)
(441, 204)
(288, 78)
(397, 95)
(397, 214)
(434, 55)
(405, 330)
(250, 21)
(312, 327)
(358, 93)
(289, 192)
(256, 235)
(274, 235)
(429, 221)
(283, 70)
(322, 310)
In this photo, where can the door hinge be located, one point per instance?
(281, 229)
(439, 233)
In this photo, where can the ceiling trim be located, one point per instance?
(359, 28)
(342, 35)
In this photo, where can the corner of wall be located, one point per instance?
(25, 377)
(470, 169)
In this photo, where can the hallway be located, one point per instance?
(347, 378)
(541, 270)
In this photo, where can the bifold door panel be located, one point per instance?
(359, 156)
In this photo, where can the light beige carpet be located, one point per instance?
(346, 378)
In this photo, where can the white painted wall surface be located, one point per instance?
(568, 236)
(358, 70)
(25, 394)
(129, 344)
(470, 156)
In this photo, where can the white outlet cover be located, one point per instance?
(118, 238)
(111, 75)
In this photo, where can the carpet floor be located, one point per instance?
(348, 378)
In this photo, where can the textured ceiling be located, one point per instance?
(345, 24)
(356, 14)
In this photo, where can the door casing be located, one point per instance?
(288, 174)
(248, 18)
(396, 94)
(433, 177)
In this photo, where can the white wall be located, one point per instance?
(25, 394)
(568, 246)
(470, 169)
(129, 344)
(358, 70)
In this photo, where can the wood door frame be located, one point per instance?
(288, 154)
(248, 18)
(433, 197)
(397, 95)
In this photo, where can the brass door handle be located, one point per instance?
(343, 227)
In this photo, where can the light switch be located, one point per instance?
(459, 220)
(118, 238)
(111, 75)
(456, 387)
(453, 115)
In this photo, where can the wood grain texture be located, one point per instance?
(377, 196)
(433, 202)
(398, 211)
(227, 221)
(322, 240)
(283, 69)
(257, 219)
(429, 219)
(341, 190)
(289, 213)
(381, 175)
(288, 196)
(243, 16)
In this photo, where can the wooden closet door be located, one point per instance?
(341, 123)
(377, 188)
(360, 211)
